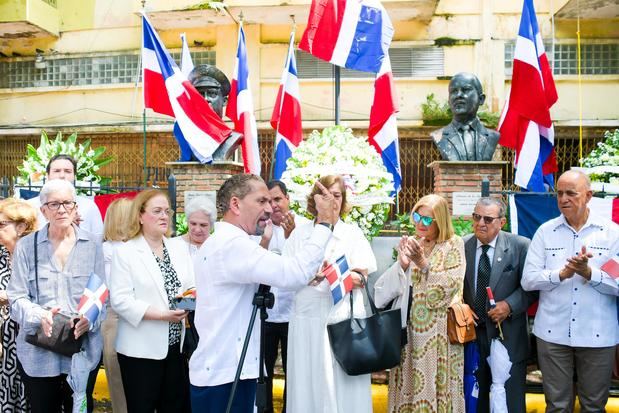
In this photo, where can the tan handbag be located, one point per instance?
(460, 324)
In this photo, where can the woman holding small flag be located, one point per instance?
(17, 219)
(315, 380)
(147, 274)
(51, 270)
(431, 266)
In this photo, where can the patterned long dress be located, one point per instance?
(429, 378)
(12, 396)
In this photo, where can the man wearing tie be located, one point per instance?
(465, 138)
(495, 259)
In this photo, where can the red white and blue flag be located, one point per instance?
(168, 92)
(525, 123)
(352, 34)
(240, 108)
(383, 131)
(339, 276)
(286, 117)
(93, 299)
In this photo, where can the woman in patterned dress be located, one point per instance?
(147, 273)
(431, 265)
(17, 219)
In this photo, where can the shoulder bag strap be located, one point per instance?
(36, 266)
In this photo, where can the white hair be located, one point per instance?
(201, 204)
(56, 185)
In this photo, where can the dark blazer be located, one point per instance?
(451, 147)
(507, 265)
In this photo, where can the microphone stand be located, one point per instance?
(263, 299)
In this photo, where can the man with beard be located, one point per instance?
(276, 327)
(465, 138)
(229, 268)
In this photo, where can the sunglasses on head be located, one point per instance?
(488, 220)
(425, 220)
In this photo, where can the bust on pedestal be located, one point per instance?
(465, 138)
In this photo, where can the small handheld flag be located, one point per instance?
(493, 305)
(93, 299)
(611, 267)
(339, 277)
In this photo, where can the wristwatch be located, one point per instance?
(425, 270)
(326, 224)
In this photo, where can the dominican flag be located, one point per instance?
(525, 123)
(93, 299)
(186, 60)
(286, 117)
(240, 108)
(611, 267)
(186, 68)
(383, 131)
(168, 92)
(352, 34)
(339, 277)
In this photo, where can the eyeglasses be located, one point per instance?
(3, 224)
(55, 205)
(487, 220)
(425, 220)
(160, 211)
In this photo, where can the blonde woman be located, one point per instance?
(17, 219)
(429, 377)
(147, 273)
(115, 233)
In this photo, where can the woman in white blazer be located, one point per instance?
(147, 273)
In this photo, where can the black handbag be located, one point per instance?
(62, 340)
(367, 345)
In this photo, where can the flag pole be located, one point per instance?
(336, 76)
(144, 115)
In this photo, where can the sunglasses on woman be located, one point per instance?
(425, 220)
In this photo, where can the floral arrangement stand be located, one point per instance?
(194, 178)
(336, 151)
(464, 178)
(602, 164)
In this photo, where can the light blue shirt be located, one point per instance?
(57, 288)
(574, 312)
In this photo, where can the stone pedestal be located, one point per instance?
(461, 180)
(199, 178)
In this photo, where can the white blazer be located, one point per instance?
(136, 283)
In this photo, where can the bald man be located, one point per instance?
(576, 322)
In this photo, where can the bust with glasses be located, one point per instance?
(148, 273)
(430, 266)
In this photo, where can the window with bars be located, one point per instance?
(74, 71)
(421, 61)
(596, 58)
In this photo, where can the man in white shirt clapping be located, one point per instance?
(576, 322)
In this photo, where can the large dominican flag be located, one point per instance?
(355, 34)
(168, 92)
(286, 117)
(383, 131)
(525, 123)
(240, 108)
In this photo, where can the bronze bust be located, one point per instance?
(213, 84)
(465, 138)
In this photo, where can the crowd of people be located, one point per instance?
(161, 358)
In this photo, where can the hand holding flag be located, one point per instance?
(93, 299)
(340, 278)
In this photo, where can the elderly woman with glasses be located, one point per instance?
(431, 266)
(51, 269)
(148, 272)
(17, 219)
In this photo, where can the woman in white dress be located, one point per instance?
(316, 382)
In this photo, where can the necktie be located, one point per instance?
(483, 280)
(469, 142)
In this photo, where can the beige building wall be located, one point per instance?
(480, 29)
